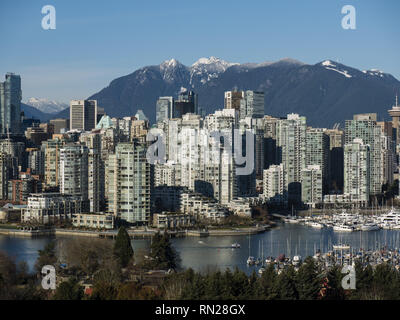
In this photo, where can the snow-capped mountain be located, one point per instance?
(173, 70)
(205, 69)
(326, 92)
(348, 72)
(329, 65)
(45, 105)
(375, 72)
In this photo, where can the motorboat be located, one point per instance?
(343, 228)
(296, 260)
(251, 261)
(369, 226)
(235, 245)
(269, 260)
(316, 225)
(341, 247)
(292, 219)
(390, 219)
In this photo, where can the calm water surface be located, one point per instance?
(216, 252)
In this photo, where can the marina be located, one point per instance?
(350, 221)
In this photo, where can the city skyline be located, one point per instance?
(181, 150)
(56, 67)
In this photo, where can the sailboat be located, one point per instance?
(262, 269)
(250, 259)
(293, 218)
(258, 260)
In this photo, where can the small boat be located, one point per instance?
(343, 228)
(235, 245)
(341, 247)
(258, 261)
(296, 260)
(292, 220)
(250, 261)
(269, 260)
(316, 225)
(261, 270)
(370, 226)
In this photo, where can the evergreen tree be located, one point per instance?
(227, 284)
(214, 286)
(268, 283)
(162, 253)
(123, 248)
(386, 281)
(308, 280)
(364, 281)
(47, 256)
(69, 290)
(239, 284)
(333, 284)
(286, 284)
(253, 288)
(195, 288)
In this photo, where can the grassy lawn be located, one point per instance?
(7, 226)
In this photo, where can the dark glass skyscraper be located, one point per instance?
(10, 104)
(187, 103)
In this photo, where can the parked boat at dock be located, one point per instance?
(343, 228)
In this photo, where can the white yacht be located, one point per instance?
(391, 219)
(269, 260)
(251, 261)
(369, 226)
(341, 247)
(343, 228)
(292, 220)
(345, 216)
(316, 225)
(296, 260)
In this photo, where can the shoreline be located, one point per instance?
(134, 234)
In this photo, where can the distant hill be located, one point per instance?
(46, 106)
(32, 112)
(326, 93)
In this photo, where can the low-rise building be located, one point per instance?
(11, 212)
(202, 207)
(51, 207)
(93, 220)
(240, 207)
(172, 220)
(343, 200)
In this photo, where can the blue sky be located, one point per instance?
(97, 41)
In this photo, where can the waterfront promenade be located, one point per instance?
(133, 233)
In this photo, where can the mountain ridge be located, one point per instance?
(326, 92)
